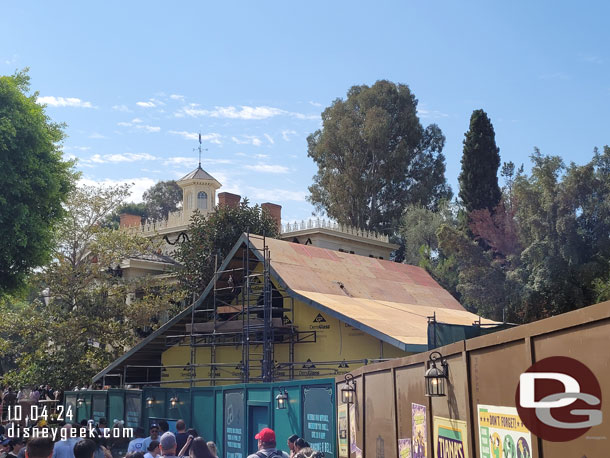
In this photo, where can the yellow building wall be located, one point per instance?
(336, 341)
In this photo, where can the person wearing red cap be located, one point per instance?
(267, 446)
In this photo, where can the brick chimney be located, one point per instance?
(228, 199)
(128, 220)
(275, 211)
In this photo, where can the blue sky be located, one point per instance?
(135, 81)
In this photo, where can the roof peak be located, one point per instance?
(198, 174)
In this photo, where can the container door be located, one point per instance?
(258, 419)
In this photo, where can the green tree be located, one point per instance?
(374, 158)
(162, 198)
(86, 313)
(215, 235)
(34, 181)
(418, 230)
(480, 162)
(548, 254)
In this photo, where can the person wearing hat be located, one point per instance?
(167, 445)
(267, 446)
(154, 436)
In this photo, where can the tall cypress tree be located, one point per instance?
(480, 162)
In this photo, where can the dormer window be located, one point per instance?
(202, 201)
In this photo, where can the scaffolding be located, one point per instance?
(244, 309)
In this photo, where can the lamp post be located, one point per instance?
(435, 377)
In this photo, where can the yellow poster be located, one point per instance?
(352, 428)
(450, 438)
(342, 430)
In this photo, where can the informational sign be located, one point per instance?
(450, 438)
(133, 410)
(342, 430)
(502, 434)
(352, 428)
(234, 424)
(404, 448)
(318, 412)
(98, 407)
(419, 443)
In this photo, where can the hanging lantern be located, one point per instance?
(435, 377)
(281, 400)
(348, 392)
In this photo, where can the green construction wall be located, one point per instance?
(247, 403)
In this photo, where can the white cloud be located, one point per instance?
(277, 195)
(139, 185)
(64, 102)
(76, 148)
(136, 124)
(211, 137)
(555, 76)
(123, 108)
(593, 59)
(117, 158)
(97, 135)
(181, 161)
(435, 114)
(243, 112)
(176, 97)
(148, 128)
(315, 104)
(248, 140)
(268, 168)
(269, 138)
(146, 104)
(287, 133)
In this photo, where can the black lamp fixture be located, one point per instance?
(174, 402)
(150, 401)
(281, 400)
(348, 392)
(435, 377)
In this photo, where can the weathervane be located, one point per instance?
(200, 149)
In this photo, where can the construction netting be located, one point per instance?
(440, 334)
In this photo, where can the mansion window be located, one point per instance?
(202, 201)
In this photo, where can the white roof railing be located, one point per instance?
(317, 223)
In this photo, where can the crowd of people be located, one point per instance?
(27, 397)
(159, 443)
(267, 447)
(65, 441)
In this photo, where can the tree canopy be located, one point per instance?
(34, 181)
(162, 198)
(82, 313)
(546, 253)
(480, 161)
(215, 235)
(375, 158)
